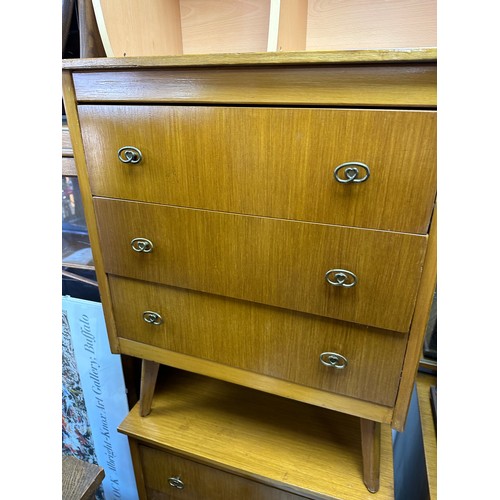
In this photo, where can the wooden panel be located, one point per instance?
(129, 28)
(80, 479)
(274, 342)
(137, 463)
(69, 166)
(292, 25)
(67, 147)
(362, 56)
(200, 481)
(306, 450)
(88, 208)
(355, 24)
(346, 85)
(222, 26)
(309, 395)
(273, 162)
(419, 324)
(272, 261)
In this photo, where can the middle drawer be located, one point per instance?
(358, 275)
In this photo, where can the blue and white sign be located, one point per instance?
(103, 387)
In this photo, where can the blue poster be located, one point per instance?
(94, 398)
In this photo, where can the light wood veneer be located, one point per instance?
(262, 339)
(232, 194)
(275, 443)
(400, 85)
(275, 162)
(128, 28)
(277, 262)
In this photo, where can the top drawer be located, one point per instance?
(275, 162)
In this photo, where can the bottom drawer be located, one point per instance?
(169, 476)
(270, 341)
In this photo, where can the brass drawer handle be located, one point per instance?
(142, 245)
(332, 359)
(341, 277)
(151, 317)
(129, 154)
(176, 482)
(349, 172)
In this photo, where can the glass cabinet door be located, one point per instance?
(76, 252)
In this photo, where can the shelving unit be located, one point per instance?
(178, 27)
(76, 253)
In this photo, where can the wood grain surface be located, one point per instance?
(222, 26)
(396, 85)
(370, 446)
(225, 26)
(299, 448)
(266, 340)
(402, 79)
(149, 374)
(199, 481)
(80, 479)
(138, 469)
(271, 385)
(90, 220)
(67, 147)
(273, 162)
(68, 161)
(131, 28)
(333, 57)
(270, 261)
(340, 25)
(418, 328)
(69, 166)
(292, 25)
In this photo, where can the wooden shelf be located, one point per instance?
(302, 449)
(176, 27)
(68, 161)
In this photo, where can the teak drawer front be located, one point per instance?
(275, 162)
(271, 261)
(196, 481)
(254, 81)
(270, 341)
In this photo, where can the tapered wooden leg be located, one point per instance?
(370, 445)
(149, 374)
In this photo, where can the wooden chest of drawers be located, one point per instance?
(207, 439)
(266, 220)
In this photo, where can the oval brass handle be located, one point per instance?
(129, 154)
(176, 482)
(142, 245)
(349, 172)
(152, 317)
(341, 277)
(332, 359)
